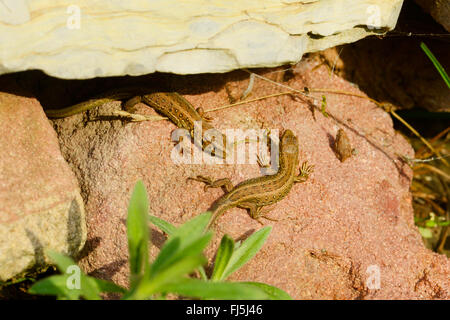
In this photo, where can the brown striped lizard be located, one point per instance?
(170, 104)
(255, 193)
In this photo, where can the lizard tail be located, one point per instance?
(217, 210)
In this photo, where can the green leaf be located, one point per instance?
(274, 293)
(436, 63)
(444, 223)
(193, 227)
(137, 231)
(62, 261)
(74, 277)
(179, 269)
(246, 251)
(65, 285)
(175, 249)
(107, 286)
(430, 223)
(426, 233)
(223, 256)
(89, 288)
(166, 255)
(216, 290)
(418, 219)
(191, 240)
(70, 287)
(173, 273)
(202, 272)
(162, 224)
(56, 286)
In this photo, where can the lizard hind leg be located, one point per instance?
(224, 183)
(256, 212)
(129, 112)
(130, 103)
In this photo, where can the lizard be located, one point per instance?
(255, 193)
(170, 104)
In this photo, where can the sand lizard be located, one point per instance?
(170, 104)
(255, 193)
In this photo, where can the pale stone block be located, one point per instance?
(85, 39)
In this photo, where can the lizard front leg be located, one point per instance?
(305, 171)
(224, 183)
(202, 114)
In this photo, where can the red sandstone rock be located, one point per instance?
(40, 203)
(334, 233)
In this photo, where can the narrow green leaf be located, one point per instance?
(62, 261)
(436, 63)
(274, 293)
(179, 269)
(62, 286)
(444, 223)
(191, 238)
(162, 224)
(173, 273)
(166, 255)
(223, 256)
(202, 272)
(137, 231)
(426, 233)
(430, 223)
(246, 251)
(89, 288)
(193, 227)
(107, 286)
(195, 247)
(56, 286)
(74, 277)
(196, 288)
(170, 253)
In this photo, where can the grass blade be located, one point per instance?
(436, 63)
(137, 231)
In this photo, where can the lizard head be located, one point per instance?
(289, 142)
